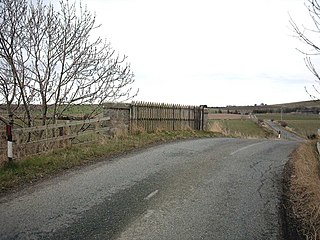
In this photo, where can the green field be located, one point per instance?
(285, 117)
(76, 110)
(239, 128)
(304, 128)
(303, 124)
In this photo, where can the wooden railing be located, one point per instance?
(33, 140)
(119, 119)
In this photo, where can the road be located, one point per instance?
(285, 134)
(196, 189)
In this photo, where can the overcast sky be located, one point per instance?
(210, 52)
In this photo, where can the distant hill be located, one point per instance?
(296, 107)
(306, 104)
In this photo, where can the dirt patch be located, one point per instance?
(227, 116)
(301, 194)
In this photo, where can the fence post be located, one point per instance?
(97, 130)
(173, 118)
(68, 132)
(203, 117)
(10, 139)
(61, 134)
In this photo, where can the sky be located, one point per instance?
(209, 52)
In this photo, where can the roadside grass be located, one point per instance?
(303, 124)
(304, 128)
(288, 116)
(303, 190)
(243, 128)
(37, 167)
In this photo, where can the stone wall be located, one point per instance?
(119, 114)
(205, 119)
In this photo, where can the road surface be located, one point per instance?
(195, 189)
(285, 134)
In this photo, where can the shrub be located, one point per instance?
(283, 124)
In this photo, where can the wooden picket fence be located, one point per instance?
(152, 117)
(123, 118)
(34, 140)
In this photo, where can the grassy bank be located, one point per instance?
(303, 124)
(243, 128)
(302, 191)
(37, 167)
(304, 128)
(288, 116)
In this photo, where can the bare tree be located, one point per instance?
(13, 75)
(310, 38)
(59, 62)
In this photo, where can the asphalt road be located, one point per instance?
(196, 189)
(284, 133)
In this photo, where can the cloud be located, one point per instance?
(208, 51)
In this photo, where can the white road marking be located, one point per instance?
(151, 195)
(246, 147)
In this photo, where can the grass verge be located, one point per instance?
(243, 128)
(304, 128)
(288, 116)
(34, 168)
(302, 193)
(305, 125)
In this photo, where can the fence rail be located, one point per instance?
(3, 146)
(34, 140)
(119, 119)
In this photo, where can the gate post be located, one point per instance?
(120, 118)
(203, 117)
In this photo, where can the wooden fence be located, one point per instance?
(33, 140)
(152, 117)
(3, 145)
(119, 119)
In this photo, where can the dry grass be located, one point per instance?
(240, 128)
(220, 116)
(305, 127)
(216, 127)
(304, 190)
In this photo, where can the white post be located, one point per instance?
(10, 151)
(9, 139)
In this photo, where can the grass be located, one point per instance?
(40, 166)
(303, 124)
(304, 127)
(304, 191)
(288, 116)
(72, 111)
(82, 109)
(239, 128)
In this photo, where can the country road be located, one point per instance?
(285, 134)
(197, 189)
